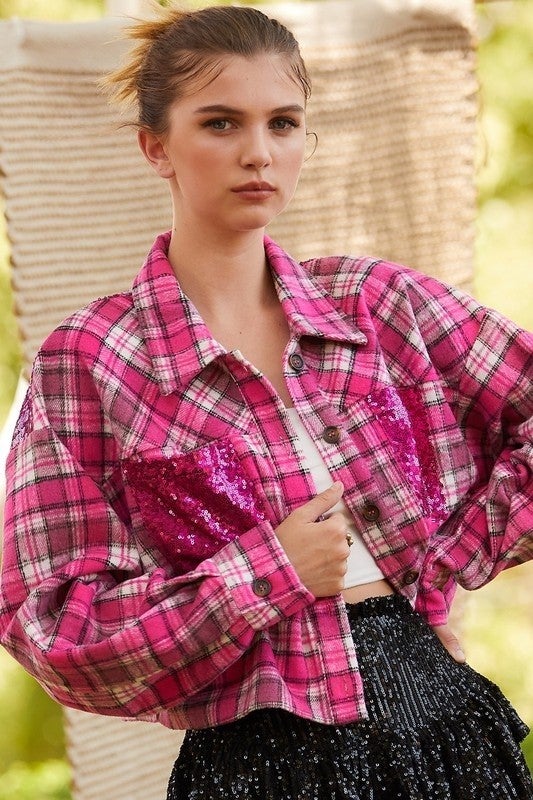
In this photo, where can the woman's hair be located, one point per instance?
(178, 49)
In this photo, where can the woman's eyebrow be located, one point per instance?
(294, 108)
(222, 109)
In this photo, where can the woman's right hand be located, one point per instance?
(318, 550)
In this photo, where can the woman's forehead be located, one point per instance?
(259, 77)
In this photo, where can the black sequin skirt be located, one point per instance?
(437, 731)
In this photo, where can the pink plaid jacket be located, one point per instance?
(141, 573)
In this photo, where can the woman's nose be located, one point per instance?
(256, 150)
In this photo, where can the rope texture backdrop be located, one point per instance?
(394, 106)
(392, 176)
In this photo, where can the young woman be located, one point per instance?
(230, 488)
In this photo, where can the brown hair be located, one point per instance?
(179, 47)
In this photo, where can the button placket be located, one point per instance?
(261, 587)
(371, 512)
(331, 434)
(296, 362)
(410, 577)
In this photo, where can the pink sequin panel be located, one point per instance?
(24, 422)
(195, 503)
(406, 426)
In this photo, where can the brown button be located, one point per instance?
(410, 577)
(331, 434)
(261, 587)
(296, 362)
(370, 512)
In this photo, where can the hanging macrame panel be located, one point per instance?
(394, 107)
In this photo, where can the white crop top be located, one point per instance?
(362, 567)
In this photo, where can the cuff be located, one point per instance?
(262, 581)
(434, 603)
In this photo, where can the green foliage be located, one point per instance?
(506, 66)
(60, 10)
(497, 633)
(31, 727)
(527, 747)
(504, 278)
(47, 781)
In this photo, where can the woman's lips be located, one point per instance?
(254, 186)
(254, 190)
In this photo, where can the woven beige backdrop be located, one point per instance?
(392, 175)
(394, 107)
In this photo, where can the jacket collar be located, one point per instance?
(179, 343)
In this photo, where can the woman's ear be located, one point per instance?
(153, 149)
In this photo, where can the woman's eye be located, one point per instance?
(283, 124)
(218, 124)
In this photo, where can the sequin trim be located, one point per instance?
(402, 415)
(194, 503)
(24, 422)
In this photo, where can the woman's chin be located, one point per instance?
(256, 219)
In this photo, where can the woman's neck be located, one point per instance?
(222, 274)
(231, 285)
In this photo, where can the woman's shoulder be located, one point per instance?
(361, 269)
(391, 294)
(379, 278)
(370, 277)
(339, 272)
(88, 329)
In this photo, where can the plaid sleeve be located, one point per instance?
(486, 363)
(78, 609)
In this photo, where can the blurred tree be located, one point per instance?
(60, 10)
(505, 60)
(504, 278)
(31, 728)
(46, 781)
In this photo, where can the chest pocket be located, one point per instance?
(419, 455)
(192, 504)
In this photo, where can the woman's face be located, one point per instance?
(234, 148)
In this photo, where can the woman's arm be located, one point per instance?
(487, 366)
(80, 609)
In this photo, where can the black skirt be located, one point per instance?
(437, 731)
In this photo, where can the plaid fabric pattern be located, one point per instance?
(430, 400)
